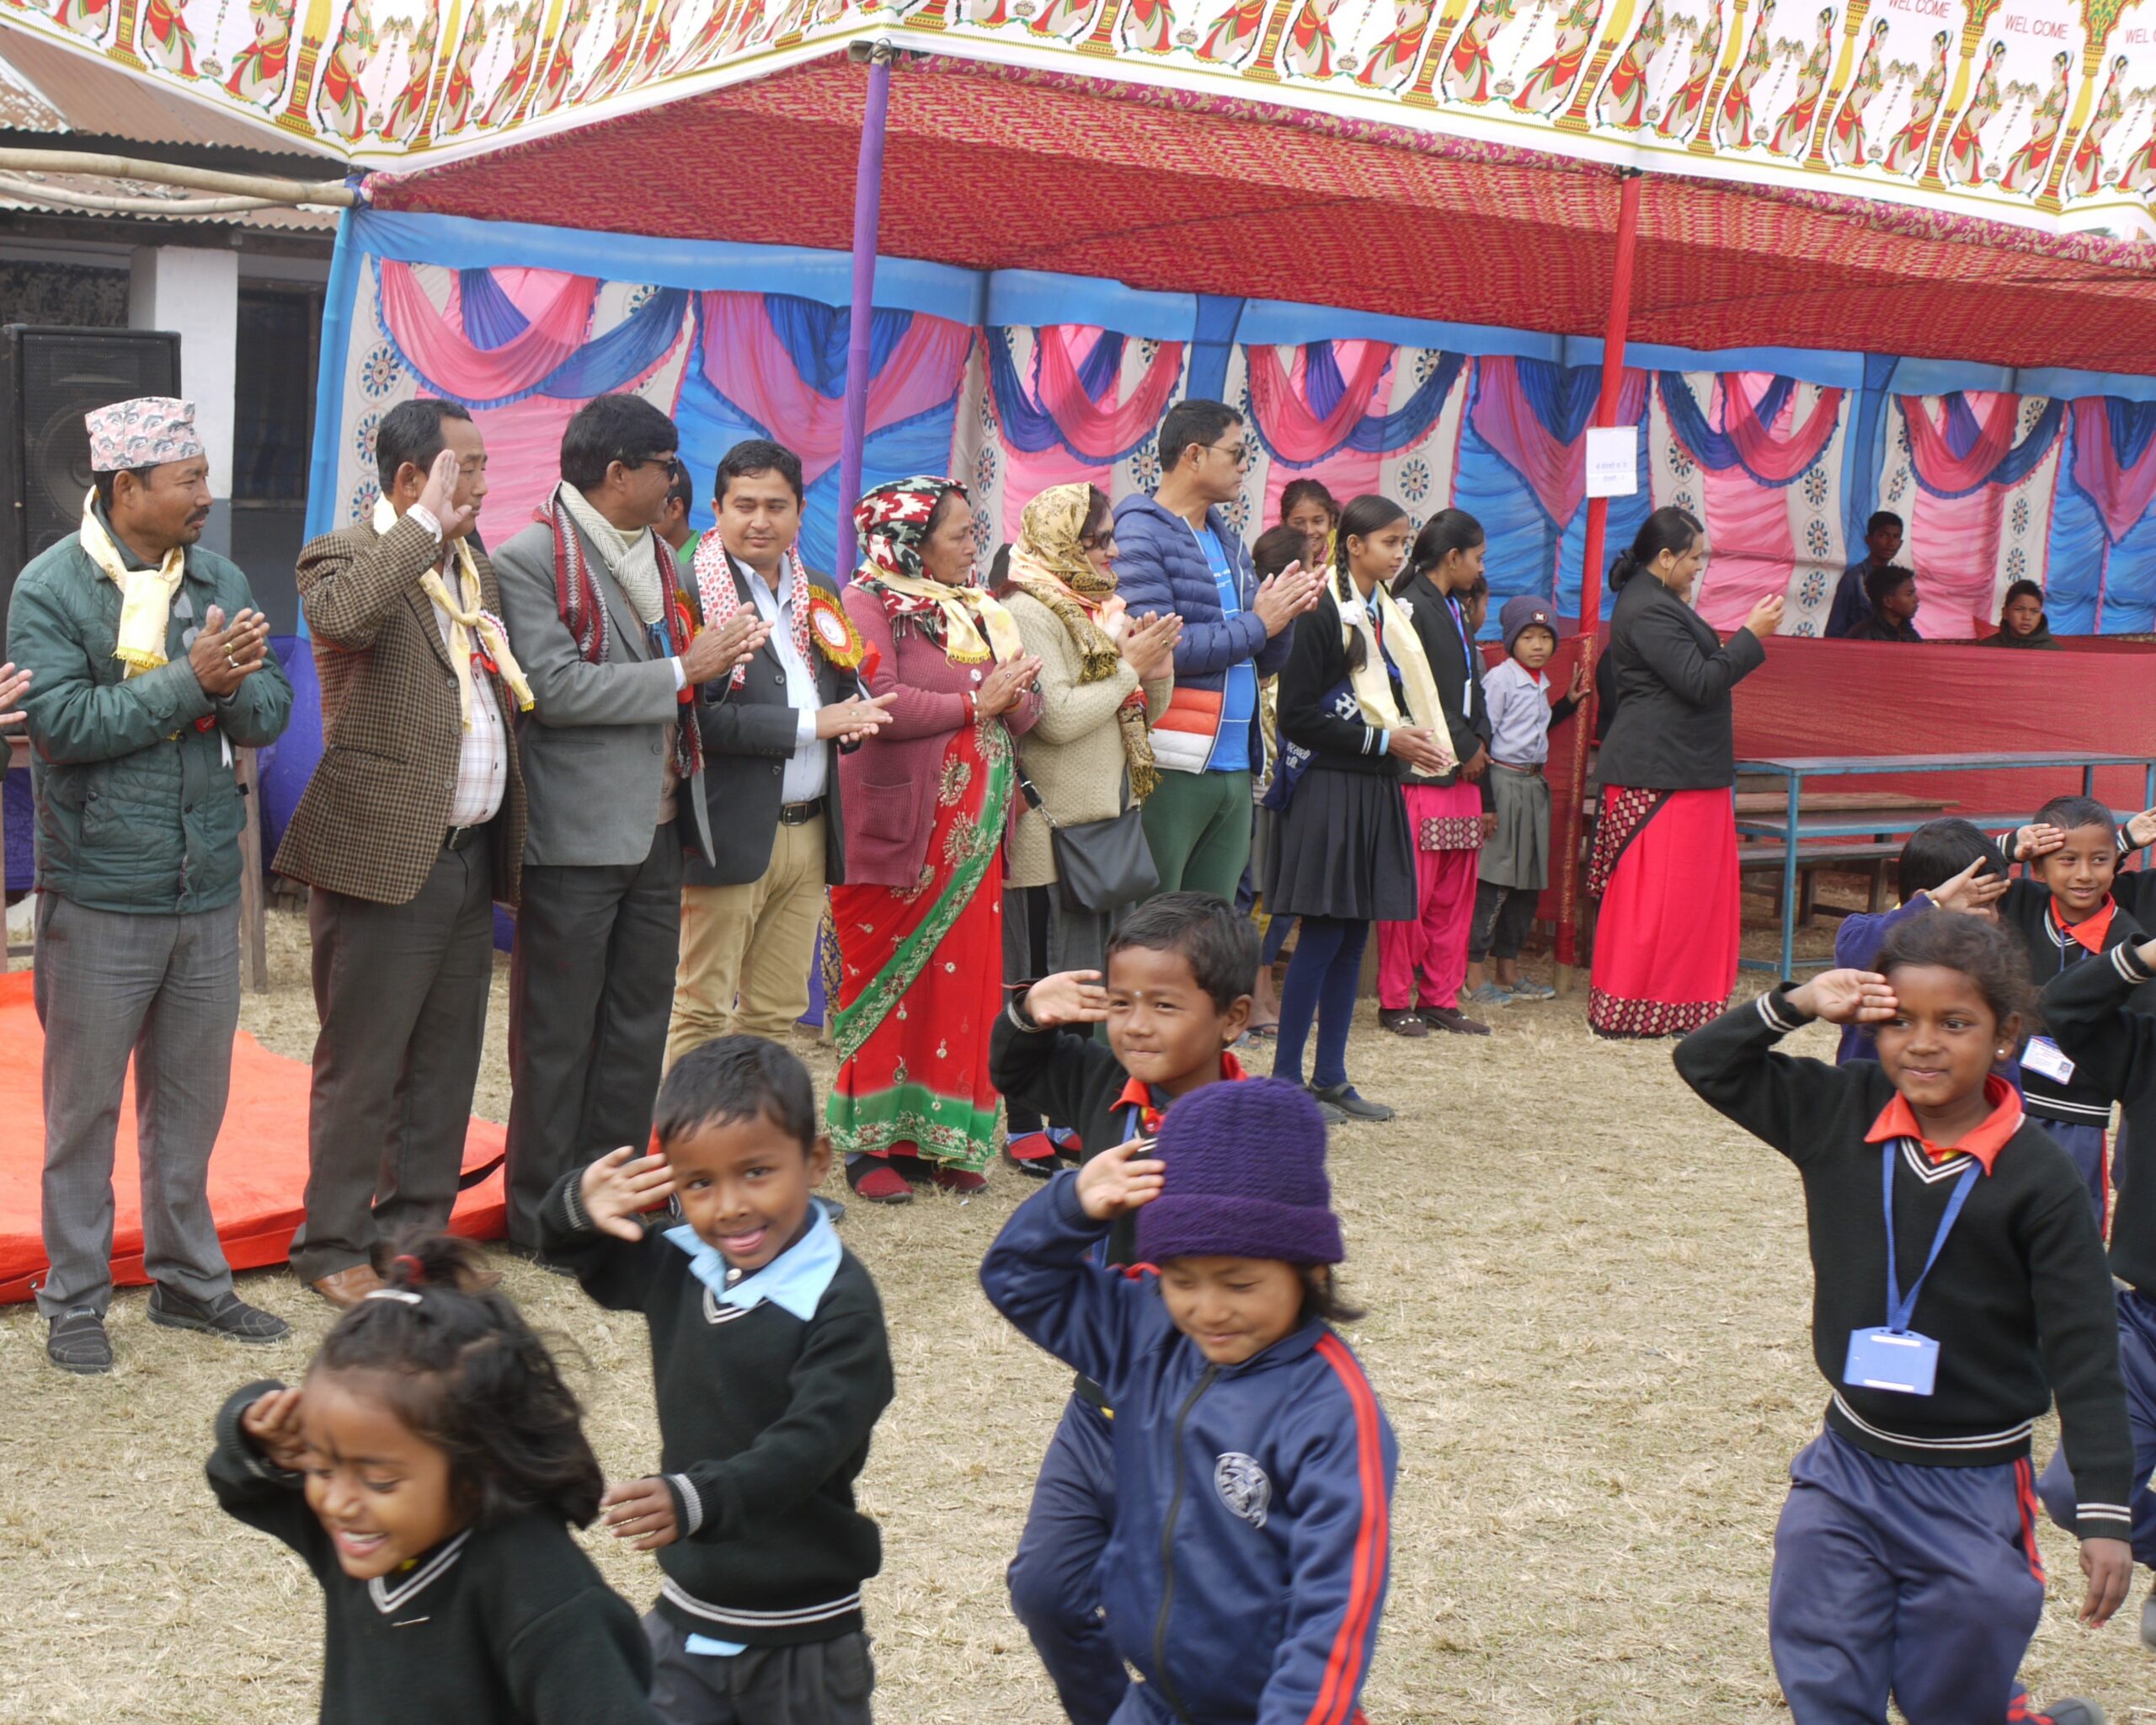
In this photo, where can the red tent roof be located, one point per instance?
(991, 167)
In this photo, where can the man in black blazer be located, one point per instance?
(750, 916)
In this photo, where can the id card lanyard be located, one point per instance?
(1467, 655)
(1895, 1357)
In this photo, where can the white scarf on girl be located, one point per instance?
(1372, 687)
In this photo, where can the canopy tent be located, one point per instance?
(1865, 191)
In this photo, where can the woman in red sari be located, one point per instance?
(1664, 863)
(919, 922)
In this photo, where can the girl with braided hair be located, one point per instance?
(428, 1471)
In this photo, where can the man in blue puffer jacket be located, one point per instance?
(1175, 551)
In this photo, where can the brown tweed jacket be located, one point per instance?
(371, 821)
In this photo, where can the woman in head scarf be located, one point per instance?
(918, 949)
(1105, 677)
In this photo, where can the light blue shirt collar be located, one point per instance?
(794, 1280)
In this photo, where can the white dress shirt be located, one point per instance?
(809, 767)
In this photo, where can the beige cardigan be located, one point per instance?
(1074, 754)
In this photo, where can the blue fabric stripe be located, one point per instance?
(1212, 343)
(815, 337)
(491, 319)
(2015, 466)
(1863, 448)
(1714, 449)
(1031, 428)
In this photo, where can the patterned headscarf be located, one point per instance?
(891, 522)
(1049, 563)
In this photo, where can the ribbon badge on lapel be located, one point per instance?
(837, 637)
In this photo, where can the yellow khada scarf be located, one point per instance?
(1372, 687)
(466, 619)
(1048, 564)
(145, 595)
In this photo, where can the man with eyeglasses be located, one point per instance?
(410, 829)
(1178, 554)
(614, 784)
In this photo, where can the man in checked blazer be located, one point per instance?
(410, 829)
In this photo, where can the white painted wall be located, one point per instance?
(195, 290)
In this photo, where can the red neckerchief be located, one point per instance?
(1138, 1094)
(1984, 1142)
(2091, 931)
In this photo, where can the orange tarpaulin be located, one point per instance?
(257, 1173)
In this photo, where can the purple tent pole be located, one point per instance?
(867, 213)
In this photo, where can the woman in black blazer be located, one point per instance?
(1665, 841)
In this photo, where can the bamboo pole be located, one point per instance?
(333, 193)
(12, 186)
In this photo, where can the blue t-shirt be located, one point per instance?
(1239, 687)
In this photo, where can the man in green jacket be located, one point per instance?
(140, 690)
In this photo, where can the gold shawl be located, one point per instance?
(466, 619)
(1372, 687)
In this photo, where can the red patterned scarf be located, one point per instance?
(719, 598)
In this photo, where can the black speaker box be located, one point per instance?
(48, 379)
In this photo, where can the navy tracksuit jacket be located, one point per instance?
(1246, 1571)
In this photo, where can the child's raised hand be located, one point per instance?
(1120, 1180)
(616, 1190)
(271, 1422)
(1577, 687)
(1846, 997)
(641, 1512)
(2037, 839)
(1968, 891)
(2140, 832)
(1068, 997)
(2108, 1566)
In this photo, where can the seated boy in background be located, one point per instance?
(1182, 967)
(2073, 904)
(771, 1366)
(1892, 594)
(1947, 865)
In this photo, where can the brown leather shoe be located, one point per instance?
(344, 1288)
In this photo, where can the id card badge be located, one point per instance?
(2045, 1057)
(1889, 1360)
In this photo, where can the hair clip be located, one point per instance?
(415, 1273)
(404, 1295)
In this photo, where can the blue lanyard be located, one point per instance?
(1901, 1308)
(1467, 658)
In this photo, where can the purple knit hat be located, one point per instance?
(1245, 1178)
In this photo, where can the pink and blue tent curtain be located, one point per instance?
(1018, 380)
(2101, 555)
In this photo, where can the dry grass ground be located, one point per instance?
(1587, 1301)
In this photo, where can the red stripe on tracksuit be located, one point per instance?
(2024, 1493)
(1344, 1666)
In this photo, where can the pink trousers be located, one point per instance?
(1425, 961)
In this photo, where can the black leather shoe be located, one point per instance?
(1342, 1097)
(78, 1343)
(228, 1317)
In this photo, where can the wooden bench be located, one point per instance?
(1872, 856)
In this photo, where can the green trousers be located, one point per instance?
(1198, 826)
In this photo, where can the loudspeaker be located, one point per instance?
(48, 379)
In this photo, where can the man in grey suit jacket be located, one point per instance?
(749, 916)
(614, 793)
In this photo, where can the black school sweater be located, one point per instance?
(764, 1423)
(2093, 1013)
(507, 1624)
(2026, 909)
(2019, 1301)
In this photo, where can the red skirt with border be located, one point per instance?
(1666, 938)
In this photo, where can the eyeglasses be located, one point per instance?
(1242, 455)
(1097, 541)
(671, 463)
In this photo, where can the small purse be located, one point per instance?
(1101, 865)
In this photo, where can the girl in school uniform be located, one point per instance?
(1959, 1286)
(428, 1471)
(1358, 703)
(1423, 961)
